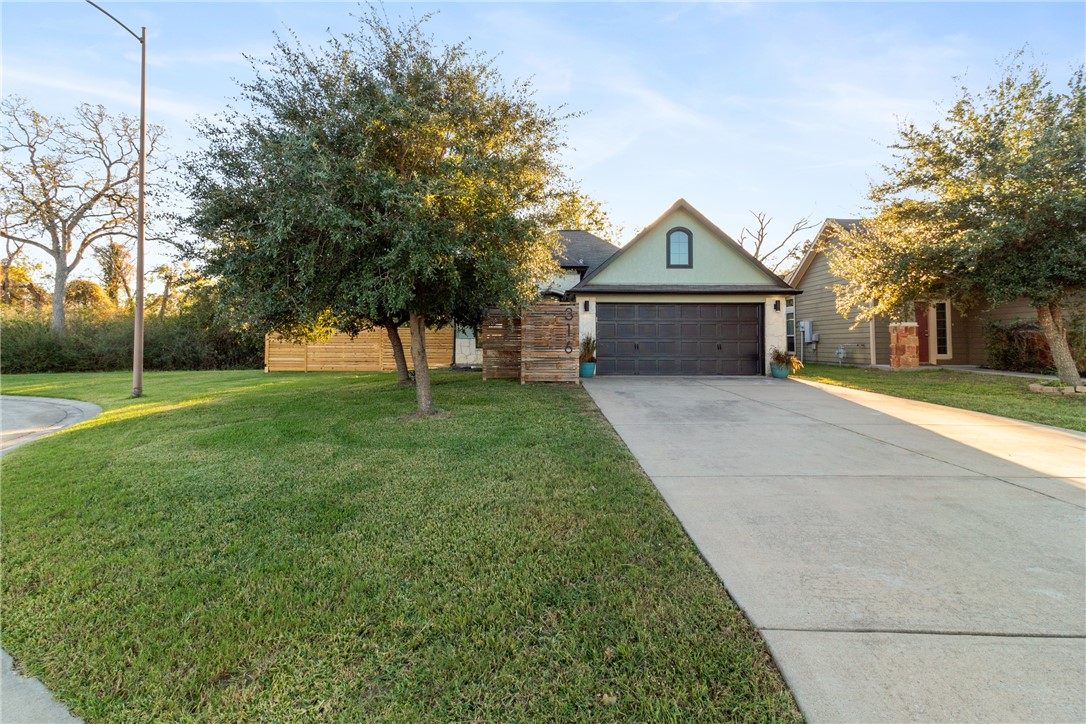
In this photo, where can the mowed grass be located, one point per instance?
(240, 546)
(995, 394)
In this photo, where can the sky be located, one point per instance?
(781, 108)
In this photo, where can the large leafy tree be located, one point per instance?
(986, 206)
(379, 179)
(67, 184)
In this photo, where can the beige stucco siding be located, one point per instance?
(714, 262)
(561, 283)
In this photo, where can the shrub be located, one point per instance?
(99, 342)
(1021, 346)
(1018, 346)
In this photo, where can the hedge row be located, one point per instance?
(95, 343)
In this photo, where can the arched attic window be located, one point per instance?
(680, 248)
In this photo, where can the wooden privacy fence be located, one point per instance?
(542, 346)
(368, 352)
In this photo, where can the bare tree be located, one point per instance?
(116, 269)
(169, 278)
(757, 242)
(68, 183)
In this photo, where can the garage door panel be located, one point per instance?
(668, 330)
(688, 311)
(679, 339)
(668, 366)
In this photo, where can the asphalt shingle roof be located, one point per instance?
(584, 250)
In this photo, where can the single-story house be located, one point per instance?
(580, 252)
(682, 298)
(946, 334)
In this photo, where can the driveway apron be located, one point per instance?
(904, 561)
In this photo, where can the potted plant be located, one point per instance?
(781, 364)
(588, 356)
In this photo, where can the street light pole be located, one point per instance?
(137, 341)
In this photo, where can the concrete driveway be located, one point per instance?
(904, 561)
(22, 420)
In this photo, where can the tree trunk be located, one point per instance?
(1050, 318)
(393, 329)
(165, 296)
(423, 396)
(7, 283)
(60, 284)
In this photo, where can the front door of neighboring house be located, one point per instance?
(933, 331)
(922, 333)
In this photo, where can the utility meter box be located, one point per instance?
(806, 330)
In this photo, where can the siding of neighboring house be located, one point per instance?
(1020, 310)
(975, 323)
(818, 304)
(968, 341)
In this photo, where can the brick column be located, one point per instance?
(904, 346)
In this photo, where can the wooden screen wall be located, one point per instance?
(499, 337)
(368, 352)
(542, 346)
(550, 344)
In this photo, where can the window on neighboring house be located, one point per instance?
(790, 325)
(680, 248)
(941, 314)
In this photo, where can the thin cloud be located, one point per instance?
(124, 95)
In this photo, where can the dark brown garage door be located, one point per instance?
(679, 339)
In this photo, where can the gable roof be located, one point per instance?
(829, 229)
(583, 251)
(773, 282)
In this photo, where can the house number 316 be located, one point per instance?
(569, 330)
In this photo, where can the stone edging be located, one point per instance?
(1050, 390)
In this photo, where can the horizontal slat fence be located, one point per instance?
(499, 336)
(542, 346)
(368, 352)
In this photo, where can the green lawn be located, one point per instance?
(241, 546)
(994, 394)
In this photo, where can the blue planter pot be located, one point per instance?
(588, 369)
(778, 371)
